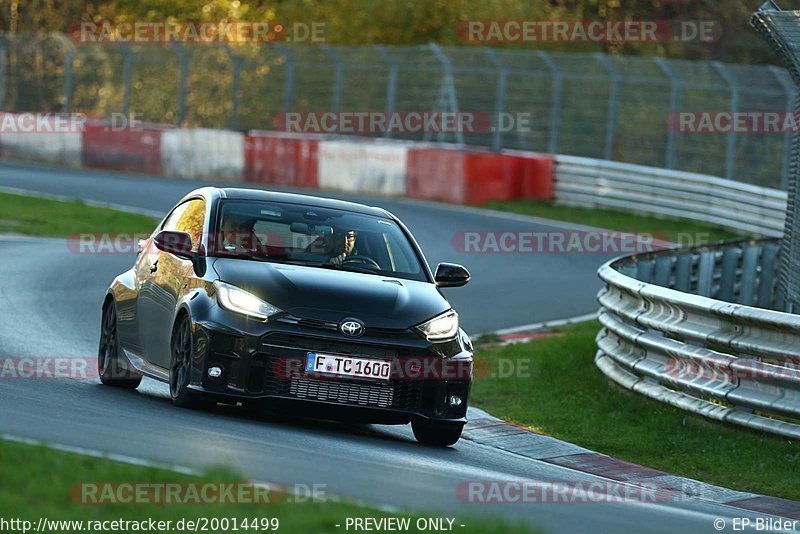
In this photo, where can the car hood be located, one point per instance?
(327, 295)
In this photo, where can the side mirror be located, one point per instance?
(178, 243)
(451, 275)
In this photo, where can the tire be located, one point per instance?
(110, 369)
(180, 369)
(438, 434)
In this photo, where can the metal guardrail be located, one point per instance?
(735, 205)
(682, 327)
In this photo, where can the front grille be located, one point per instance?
(272, 374)
(381, 395)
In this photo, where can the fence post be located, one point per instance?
(236, 71)
(788, 89)
(338, 73)
(69, 59)
(3, 71)
(555, 103)
(674, 102)
(733, 86)
(183, 81)
(127, 67)
(391, 84)
(68, 63)
(288, 87)
(499, 97)
(613, 103)
(448, 85)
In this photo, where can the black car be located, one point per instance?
(291, 303)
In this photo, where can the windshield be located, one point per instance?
(313, 236)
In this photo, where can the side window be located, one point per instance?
(188, 217)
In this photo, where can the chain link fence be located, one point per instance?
(781, 29)
(595, 105)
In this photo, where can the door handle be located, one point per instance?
(154, 266)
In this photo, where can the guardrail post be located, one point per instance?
(674, 103)
(288, 84)
(499, 97)
(183, 81)
(733, 87)
(788, 89)
(555, 102)
(338, 74)
(613, 103)
(391, 84)
(448, 91)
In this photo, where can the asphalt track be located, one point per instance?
(50, 300)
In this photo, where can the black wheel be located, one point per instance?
(439, 434)
(111, 371)
(180, 369)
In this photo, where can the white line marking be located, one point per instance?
(94, 203)
(540, 326)
(121, 458)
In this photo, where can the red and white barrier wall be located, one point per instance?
(447, 173)
(202, 154)
(456, 174)
(39, 139)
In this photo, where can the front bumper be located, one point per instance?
(266, 361)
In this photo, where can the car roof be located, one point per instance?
(242, 193)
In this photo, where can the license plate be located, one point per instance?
(347, 366)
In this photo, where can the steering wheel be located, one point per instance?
(361, 259)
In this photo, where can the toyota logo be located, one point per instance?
(352, 328)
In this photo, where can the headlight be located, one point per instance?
(441, 327)
(240, 301)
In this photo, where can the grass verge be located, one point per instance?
(39, 482)
(20, 214)
(681, 231)
(561, 393)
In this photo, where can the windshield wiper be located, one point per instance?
(352, 268)
(305, 263)
(253, 256)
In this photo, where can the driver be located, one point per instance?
(349, 248)
(235, 234)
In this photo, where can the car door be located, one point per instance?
(164, 282)
(128, 323)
